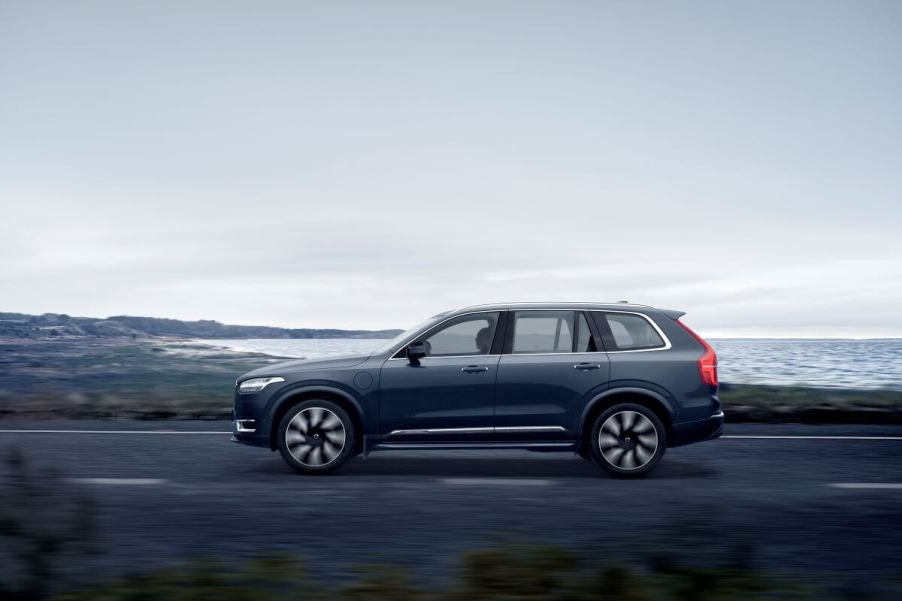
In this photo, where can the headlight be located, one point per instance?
(257, 384)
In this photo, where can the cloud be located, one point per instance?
(313, 167)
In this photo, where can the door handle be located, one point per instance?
(586, 366)
(473, 369)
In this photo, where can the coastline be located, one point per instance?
(181, 378)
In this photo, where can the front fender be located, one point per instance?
(311, 386)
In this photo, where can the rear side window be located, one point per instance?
(630, 332)
(543, 332)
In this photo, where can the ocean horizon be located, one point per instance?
(870, 364)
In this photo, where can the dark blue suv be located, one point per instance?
(617, 383)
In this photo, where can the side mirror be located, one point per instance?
(415, 352)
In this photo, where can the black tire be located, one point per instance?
(628, 440)
(316, 436)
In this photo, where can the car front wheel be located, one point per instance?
(628, 440)
(316, 436)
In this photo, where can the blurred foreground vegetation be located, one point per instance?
(510, 573)
(47, 528)
(170, 379)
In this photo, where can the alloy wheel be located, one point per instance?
(315, 437)
(628, 440)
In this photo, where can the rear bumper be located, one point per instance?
(698, 431)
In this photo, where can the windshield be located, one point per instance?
(420, 326)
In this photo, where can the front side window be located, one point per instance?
(465, 335)
(543, 332)
(632, 332)
(407, 333)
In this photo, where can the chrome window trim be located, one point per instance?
(640, 350)
(667, 343)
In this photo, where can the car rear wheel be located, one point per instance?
(628, 440)
(316, 436)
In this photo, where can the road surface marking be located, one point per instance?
(112, 432)
(496, 481)
(127, 481)
(866, 485)
(814, 437)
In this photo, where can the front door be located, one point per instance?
(449, 394)
(551, 365)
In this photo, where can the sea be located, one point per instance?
(829, 363)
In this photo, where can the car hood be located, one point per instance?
(298, 365)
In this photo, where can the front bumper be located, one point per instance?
(254, 439)
(698, 431)
(247, 428)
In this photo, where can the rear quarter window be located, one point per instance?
(629, 332)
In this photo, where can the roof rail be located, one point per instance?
(554, 303)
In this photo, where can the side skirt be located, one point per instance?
(550, 446)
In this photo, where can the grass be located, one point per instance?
(169, 379)
(521, 572)
(751, 403)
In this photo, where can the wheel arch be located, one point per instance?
(327, 393)
(650, 399)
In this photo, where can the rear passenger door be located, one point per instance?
(552, 362)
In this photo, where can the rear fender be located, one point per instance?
(658, 397)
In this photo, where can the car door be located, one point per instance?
(552, 363)
(449, 394)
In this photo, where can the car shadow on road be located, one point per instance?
(445, 467)
(540, 466)
(682, 470)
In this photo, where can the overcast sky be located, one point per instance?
(340, 164)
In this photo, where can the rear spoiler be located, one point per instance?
(674, 315)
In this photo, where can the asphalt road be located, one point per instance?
(803, 504)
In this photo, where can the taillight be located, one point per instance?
(707, 363)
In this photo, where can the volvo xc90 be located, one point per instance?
(616, 383)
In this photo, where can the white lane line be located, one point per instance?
(868, 485)
(763, 437)
(111, 432)
(127, 481)
(496, 481)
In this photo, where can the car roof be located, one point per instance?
(616, 306)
